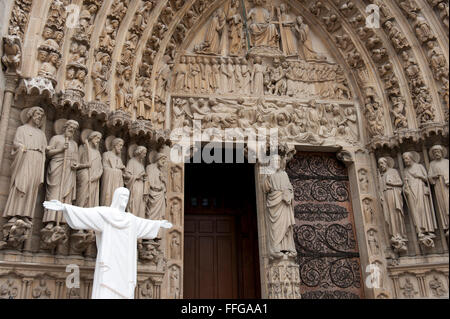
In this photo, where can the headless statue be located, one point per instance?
(117, 233)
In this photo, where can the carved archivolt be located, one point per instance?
(120, 71)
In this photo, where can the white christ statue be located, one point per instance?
(117, 233)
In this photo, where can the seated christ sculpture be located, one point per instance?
(263, 32)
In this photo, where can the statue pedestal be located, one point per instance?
(283, 279)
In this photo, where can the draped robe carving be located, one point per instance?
(27, 171)
(280, 217)
(263, 32)
(57, 176)
(419, 199)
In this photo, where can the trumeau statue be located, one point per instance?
(280, 212)
(418, 195)
(90, 170)
(156, 187)
(135, 178)
(439, 178)
(392, 202)
(61, 173)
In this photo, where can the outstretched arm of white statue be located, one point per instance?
(148, 229)
(55, 205)
(166, 224)
(77, 217)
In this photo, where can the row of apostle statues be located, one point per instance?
(237, 75)
(77, 174)
(416, 186)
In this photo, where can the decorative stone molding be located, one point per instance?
(37, 86)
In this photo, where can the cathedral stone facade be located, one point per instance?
(98, 94)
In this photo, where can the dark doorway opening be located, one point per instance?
(221, 259)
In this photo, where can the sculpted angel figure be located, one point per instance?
(213, 37)
(12, 53)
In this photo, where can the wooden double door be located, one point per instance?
(221, 258)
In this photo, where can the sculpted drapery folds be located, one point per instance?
(439, 178)
(135, 178)
(236, 29)
(287, 30)
(392, 202)
(144, 100)
(213, 38)
(418, 195)
(61, 172)
(117, 233)
(280, 212)
(90, 170)
(305, 49)
(113, 169)
(257, 77)
(27, 168)
(181, 75)
(12, 53)
(156, 187)
(263, 31)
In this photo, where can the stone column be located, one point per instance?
(10, 87)
(26, 287)
(422, 286)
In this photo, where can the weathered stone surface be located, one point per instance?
(153, 72)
